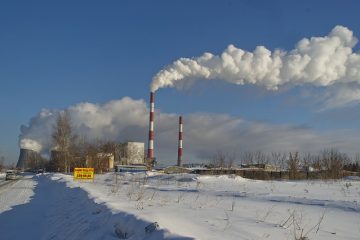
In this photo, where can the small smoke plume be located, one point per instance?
(318, 61)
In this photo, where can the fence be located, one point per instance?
(260, 174)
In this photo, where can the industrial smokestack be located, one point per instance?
(28, 158)
(150, 154)
(180, 146)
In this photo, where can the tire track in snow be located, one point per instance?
(16, 192)
(341, 205)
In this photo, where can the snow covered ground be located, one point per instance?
(228, 207)
(42, 207)
(14, 193)
(54, 206)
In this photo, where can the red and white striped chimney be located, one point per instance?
(150, 154)
(180, 146)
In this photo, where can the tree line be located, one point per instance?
(70, 151)
(330, 161)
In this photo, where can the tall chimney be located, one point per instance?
(180, 146)
(150, 154)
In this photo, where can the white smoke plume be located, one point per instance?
(204, 134)
(116, 120)
(318, 61)
(30, 144)
(36, 136)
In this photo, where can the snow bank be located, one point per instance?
(233, 178)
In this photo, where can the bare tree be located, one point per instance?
(221, 160)
(260, 157)
(230, 161)
(333, 162)
(2, 160)
(293, 164)
(218, 160)
(95, 157)
(63, 140)
(78, 152)
(316, 162)
(357, 158)
(108, 147)
(356, 163)
(275, 158)
(247, 158)
(279, 159)
(307, 159)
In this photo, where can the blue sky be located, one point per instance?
(57, 54)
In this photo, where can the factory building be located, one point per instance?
(130, 153)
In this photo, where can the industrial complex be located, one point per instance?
(123, 154)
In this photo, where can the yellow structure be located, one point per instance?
(83, 173)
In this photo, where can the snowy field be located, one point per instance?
(229, 207)
(54, 206)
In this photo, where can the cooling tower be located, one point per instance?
(27, 157)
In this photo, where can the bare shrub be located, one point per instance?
(227, 219)
(152, 195)
(296, 224)
(198, 183)
(180, 197)
(233, 202)
(262, 218)
(117, 184)
(140, 194)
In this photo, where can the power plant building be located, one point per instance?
(130, 153)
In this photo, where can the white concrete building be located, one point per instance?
(130, 153)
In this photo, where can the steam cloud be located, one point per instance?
(127, 119)
(116, 120)
(319, 61)
(30, 144)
